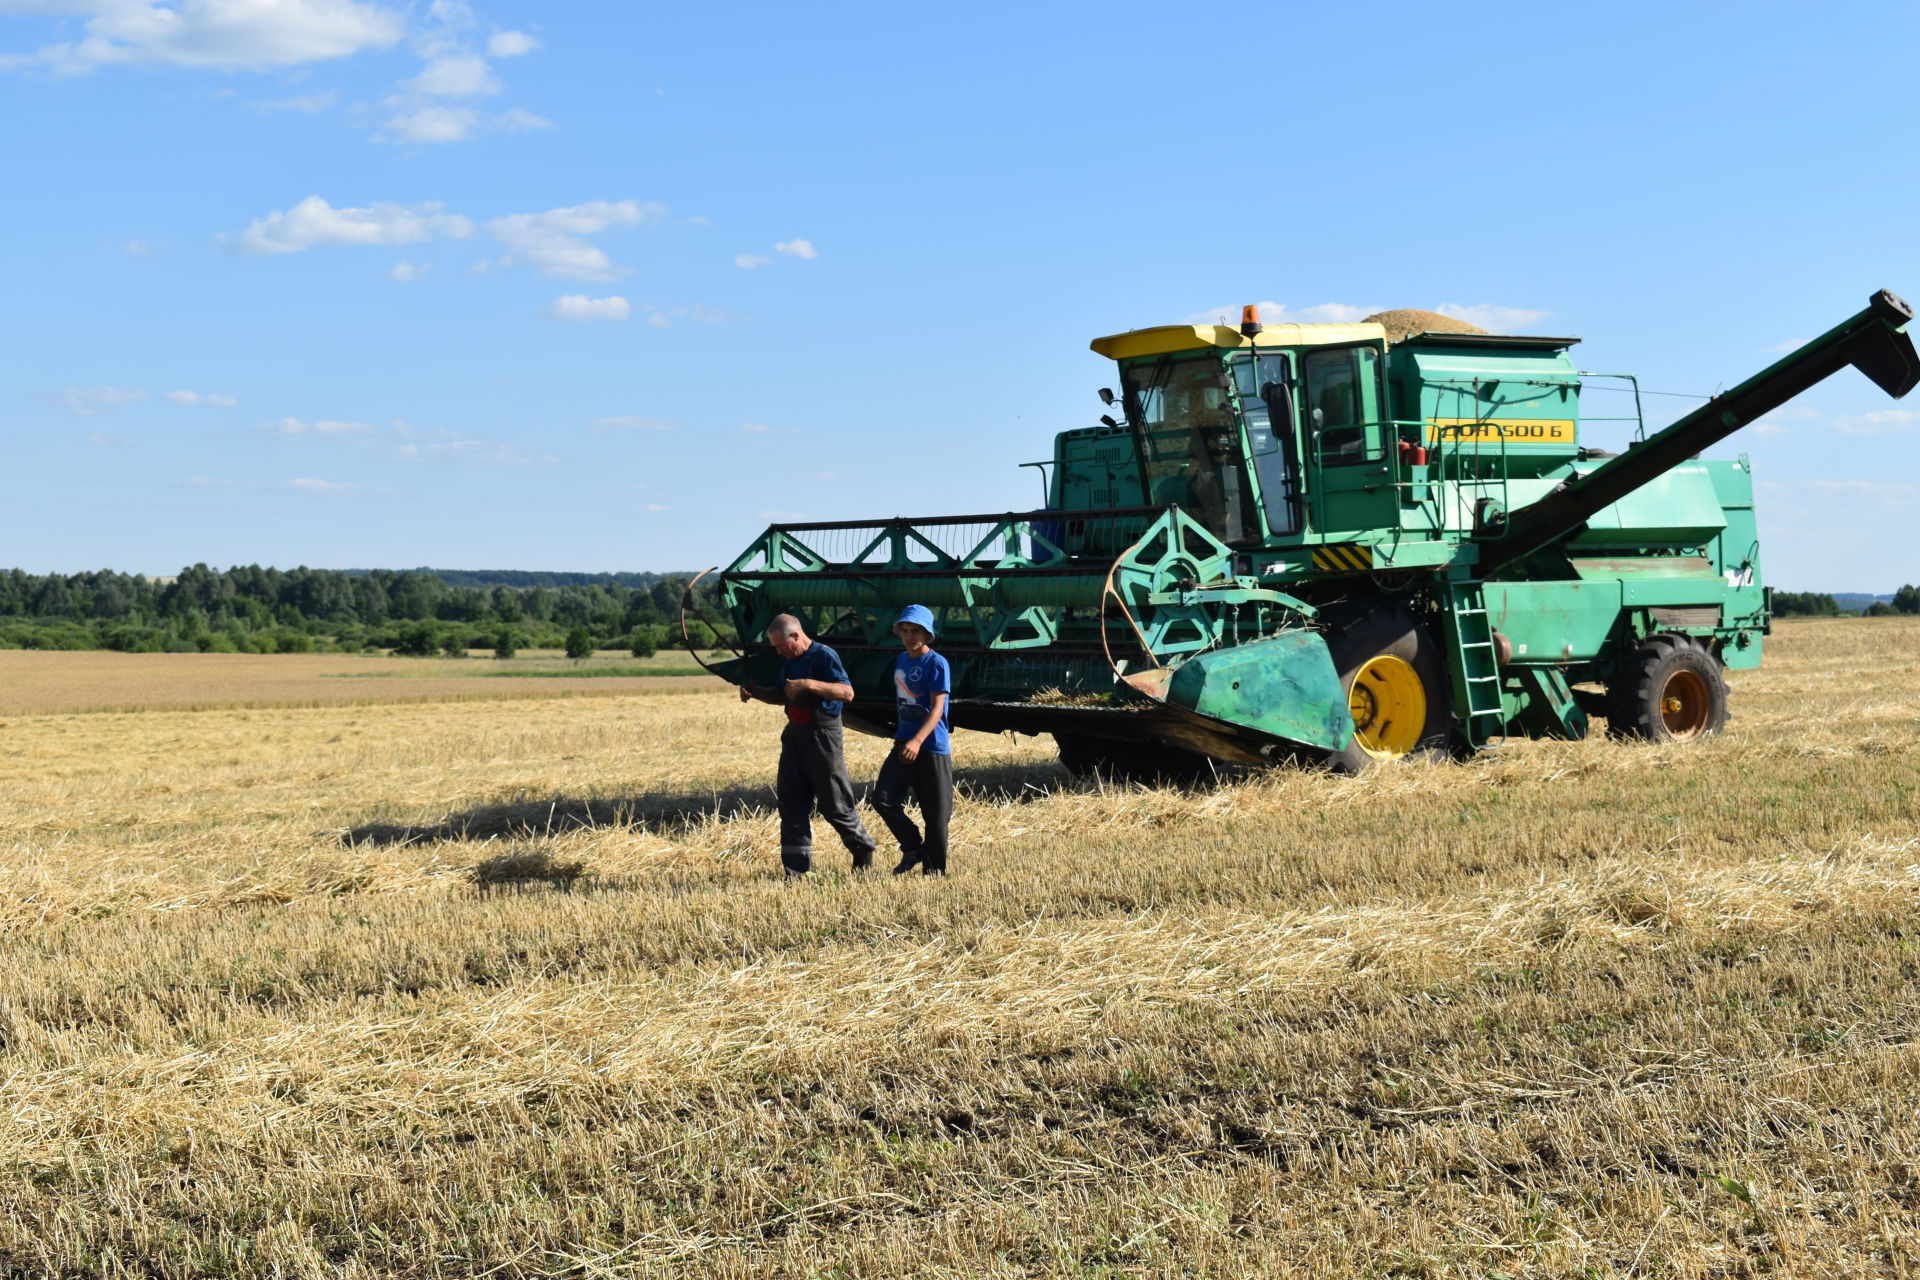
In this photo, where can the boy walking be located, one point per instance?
(921, 763)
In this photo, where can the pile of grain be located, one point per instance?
(1403, 321)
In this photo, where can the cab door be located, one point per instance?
(1348, 441)
(1263, 391)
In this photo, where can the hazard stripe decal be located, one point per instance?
(1346, 558)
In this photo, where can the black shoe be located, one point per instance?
(908, 861)
(863, 864)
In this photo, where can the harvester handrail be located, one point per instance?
(1041, 513)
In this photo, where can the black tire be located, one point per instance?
(1085, 756)
(1356, 636)
(1671, 689)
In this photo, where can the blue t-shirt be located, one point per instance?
(817, 663)
(915, 681)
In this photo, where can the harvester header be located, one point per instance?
(1347, 542)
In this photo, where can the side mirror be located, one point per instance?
(1106, 395)
(1106, 419)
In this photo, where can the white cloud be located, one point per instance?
(401, 443)
(632, 424)
(89, 400)
(314, 222)
(1495, 319)
(578, 306)
(1492, 317)
(1782, 348)
(551, 242)
(208, 482)
(404, 271)
(510, 44)
(100, 441)
(195, 397)
(307, 484)
(431, 124)
(223, 34)
(1781, 420)
(698, 313)
(748, 261)
(654, 506)
(801, 249)
(140, 248)
(1279, 313)
(323, 429)
(306, 104)
(762, 429)
(466, 451)
(1879, 423)
(454, 75)
(1885, 493)
(515, 120)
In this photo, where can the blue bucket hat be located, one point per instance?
(918, 614)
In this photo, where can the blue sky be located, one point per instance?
(606, 286)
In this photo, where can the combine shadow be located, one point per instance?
(562, 814)
(667, 813)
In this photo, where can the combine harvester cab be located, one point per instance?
(1314, 541)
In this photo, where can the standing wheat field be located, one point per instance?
(480, 981)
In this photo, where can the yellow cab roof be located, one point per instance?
(1198, 337)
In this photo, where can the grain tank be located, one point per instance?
(1309, 541)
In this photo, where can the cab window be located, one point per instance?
(1263, 385)
(1343, 400)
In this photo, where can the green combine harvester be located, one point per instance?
(1311, 542)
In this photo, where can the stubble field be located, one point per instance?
(506, 985)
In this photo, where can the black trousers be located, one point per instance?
(929, 781)
(813, 773)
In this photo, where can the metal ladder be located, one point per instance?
(1476, 668)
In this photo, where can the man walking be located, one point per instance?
(813, 762)
(920, 765)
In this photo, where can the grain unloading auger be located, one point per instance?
(1311, 540)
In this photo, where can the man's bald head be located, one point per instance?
(788, 636)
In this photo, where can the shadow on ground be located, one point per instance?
(675, 811)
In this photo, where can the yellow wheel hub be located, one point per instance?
(1685, 705)
(1389, 706)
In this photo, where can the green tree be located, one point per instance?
(644, 642)
(506, 643)
(1805, 604)
(417, 640)
(579, 644)
(1907, 600)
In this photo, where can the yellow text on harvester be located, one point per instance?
(1516, 430)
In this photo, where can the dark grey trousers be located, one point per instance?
(813, 772)
(929, 780)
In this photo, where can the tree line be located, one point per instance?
(253, 609)
(1815, 604)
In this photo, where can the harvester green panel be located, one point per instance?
(1677, 509)
(1284, 686)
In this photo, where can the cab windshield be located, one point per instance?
(1189, 443)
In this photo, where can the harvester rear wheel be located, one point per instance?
(1396, 685)
(1672, 690)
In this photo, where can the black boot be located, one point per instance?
(909, 859)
